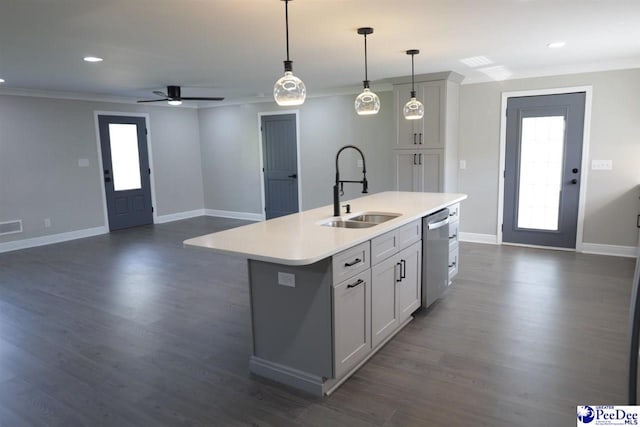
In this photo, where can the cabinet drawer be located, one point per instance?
(382, 247)
(453, 235)
(350, 262)
(454, 213)
(453, 263)
(409, 234)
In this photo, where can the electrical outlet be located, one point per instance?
(463, 164)
(287, 279)
(602, 165)
(47, 222)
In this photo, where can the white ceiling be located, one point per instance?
(235, 48)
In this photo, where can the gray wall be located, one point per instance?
(612, 196)
(230, 151)
(41, 141)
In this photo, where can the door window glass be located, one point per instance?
(125, 159)
(540, 183)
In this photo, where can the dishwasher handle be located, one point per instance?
(436, 225)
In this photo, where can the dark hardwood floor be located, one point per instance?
(132, 329)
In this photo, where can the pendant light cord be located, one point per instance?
(286, 20)
(413, 87)
(366, 77)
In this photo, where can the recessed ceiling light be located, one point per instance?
(476, 61)
(556, 45)
(175, 102)
(92, 59)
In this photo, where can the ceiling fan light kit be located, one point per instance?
(413, 109)
(367, 103)
(289, 90)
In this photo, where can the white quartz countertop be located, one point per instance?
(299, 239)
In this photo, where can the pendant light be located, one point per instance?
(289, 90)
(413, 109)
(367, 102)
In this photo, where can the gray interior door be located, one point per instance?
(280, 160)
(542, 169)
(126, 171)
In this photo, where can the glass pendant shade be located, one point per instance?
(289, 90)
(413, 109)
(367, 103)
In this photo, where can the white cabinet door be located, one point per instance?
(409, 132)
(384, 306)
(407, 174)
(352, 322)
(430, 165)
(409, 287)
(432, 95)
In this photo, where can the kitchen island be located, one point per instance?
(325, 298)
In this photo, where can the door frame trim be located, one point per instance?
(584, 168)
(96, 114)
(263, 212)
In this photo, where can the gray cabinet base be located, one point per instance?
(304, 381)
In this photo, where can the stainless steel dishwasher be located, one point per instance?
(435, 256)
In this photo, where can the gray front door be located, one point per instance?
(280, 161)
(542, 169)
(126, 171)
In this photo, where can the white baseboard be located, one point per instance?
(249, 216)
(613, 250)
(161, 219)
(490, 239)
(52, 238)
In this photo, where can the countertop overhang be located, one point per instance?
(299, 239)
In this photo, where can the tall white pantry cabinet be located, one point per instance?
(426, 150)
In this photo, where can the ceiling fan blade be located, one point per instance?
(154, 100)
(160, 93)
(196, 98)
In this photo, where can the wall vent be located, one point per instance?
(10, 227)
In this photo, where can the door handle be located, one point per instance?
(574, 181)
(295, 175)
(420, 157)
(414, 158)
(453, 264)
(353, 285)
(107, 179)
(420, 138)
(574, 170)
(106, 172)
(452, 237)
(436, 225)
(400, 268)
(414, 139)
(403, 269)
(638, 222)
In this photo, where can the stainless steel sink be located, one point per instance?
(374, 217)
(348, 224)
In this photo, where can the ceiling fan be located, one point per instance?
(174, 98)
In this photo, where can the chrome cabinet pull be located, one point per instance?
(352, 263)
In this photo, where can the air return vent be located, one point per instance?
(10, 227)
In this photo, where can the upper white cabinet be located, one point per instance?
(433, 166)
(428, 131)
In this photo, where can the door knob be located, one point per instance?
(574, 181)
(295, 175)
(574, 170)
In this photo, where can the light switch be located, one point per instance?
(287, 279)
(602, 165)
(463, 164)
(83, 163)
